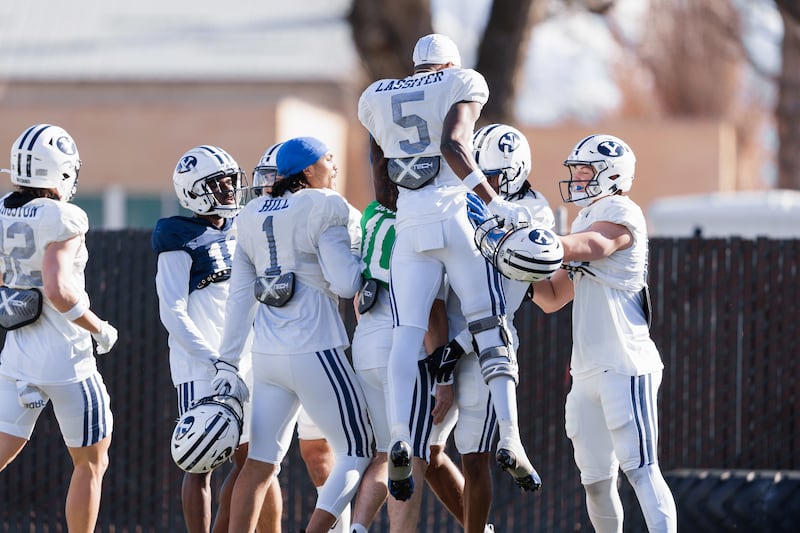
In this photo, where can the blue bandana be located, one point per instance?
(298, 153)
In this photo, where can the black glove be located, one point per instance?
(442, 362)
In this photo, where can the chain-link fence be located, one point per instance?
(726, 314)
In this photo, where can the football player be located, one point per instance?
(294, 261)
(611, 415)
(194, 264)
(372, 343)
(48, 355)
(314, 448)
(504, 156)
(420, 138)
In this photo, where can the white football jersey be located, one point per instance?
(305, 233)
(51, 350)
(609, 328)
(194, 320)
(405, 117)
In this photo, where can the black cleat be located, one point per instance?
(401, 484)
(402, 490)
(526, 478)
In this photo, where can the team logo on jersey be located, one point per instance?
(66, 145)
(541, 237)
(186, 164)
(611, 149)
(508, 143)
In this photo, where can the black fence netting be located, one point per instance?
(725, 319)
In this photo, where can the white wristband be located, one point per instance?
(75, 312)
(473, 179)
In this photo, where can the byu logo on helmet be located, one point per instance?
(183, 427)
(207, 434)
(610, 149)
(66, 145)
(508, 142)
(186, 164)
(540, 237)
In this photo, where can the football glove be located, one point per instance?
(477, 211)
(510, 213)
(226, 381)
(106, 338)
(442, 362)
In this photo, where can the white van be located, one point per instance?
(773, 214)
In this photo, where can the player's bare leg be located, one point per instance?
(477, 491)
(85, 487)
(269, 520)
(372, 492)
(319, 460)
(196, 501)
(320, 522)
(318, 457)
(224, 496)
(446, 481)
(10, 446)
(249, 493)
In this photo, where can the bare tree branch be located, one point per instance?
(385, 31)
(788, 110)
(502, 52)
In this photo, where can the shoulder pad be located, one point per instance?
(619, 210)
(329, 209)
(60, 220)
(74, 219)
(174, 232)
(475, 88)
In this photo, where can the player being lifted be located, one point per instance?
(420, 138)
(503, 154)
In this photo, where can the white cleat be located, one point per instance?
(511, 457)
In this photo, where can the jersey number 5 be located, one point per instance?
(411, 121)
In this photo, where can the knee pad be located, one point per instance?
(496, 360)
(342, 483)
(604, 506)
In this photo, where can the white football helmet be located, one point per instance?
(503, 151)
(523, 253)
(266, 172)
(197, 180)
(614, 165)
(46, 157)
(207, 434)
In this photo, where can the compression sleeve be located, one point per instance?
(240, 309)
(340, 267)
(172, 286)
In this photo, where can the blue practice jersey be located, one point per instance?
(209, 247)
